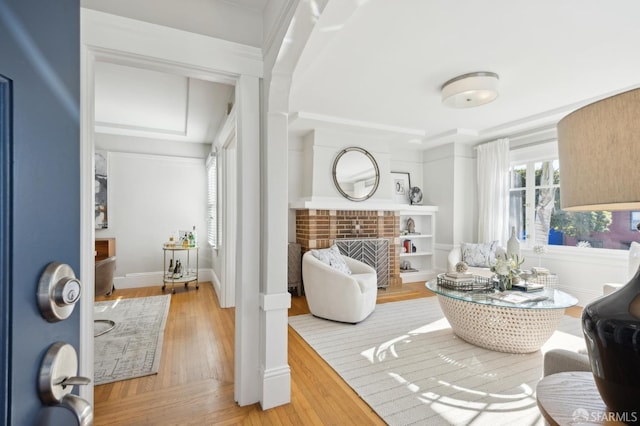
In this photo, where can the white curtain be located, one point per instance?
(493, 191)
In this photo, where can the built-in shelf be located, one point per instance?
(418, 253)
(423, 241)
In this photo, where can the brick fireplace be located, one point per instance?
(316, 228)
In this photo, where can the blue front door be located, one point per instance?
(39, 190)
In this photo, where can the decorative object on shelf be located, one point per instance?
(405, 265)
(401, 185)
(171, 243)
(177, 272)
(407, 246)
(507, 270)
(540, 250)
(411, 226)
(513, 245)
(415, 195)
(193, 237)
(599, 152)
(355, 174)
(462, 267)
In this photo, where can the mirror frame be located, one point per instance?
(375, 166)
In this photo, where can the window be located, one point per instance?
(212, 200)
(534, 211)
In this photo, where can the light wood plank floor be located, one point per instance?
(194, 385)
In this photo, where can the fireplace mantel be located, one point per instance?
(342, 204)
(322, 222)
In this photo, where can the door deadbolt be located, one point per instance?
(58, 292)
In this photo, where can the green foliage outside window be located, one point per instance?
(572, 224)
(580, 224)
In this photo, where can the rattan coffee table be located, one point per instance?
(502, 326)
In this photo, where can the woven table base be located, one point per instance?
(513, 330)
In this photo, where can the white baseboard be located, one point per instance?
(217, 286)
(276, 387)
(153, 279)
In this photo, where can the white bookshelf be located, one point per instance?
(421, 244)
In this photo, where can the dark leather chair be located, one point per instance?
(104, 286)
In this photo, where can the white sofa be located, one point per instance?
(335, 295)
(455, 256)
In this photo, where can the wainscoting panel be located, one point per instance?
(373, 252)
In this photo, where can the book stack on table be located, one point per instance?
(460, 277)
(528, 287)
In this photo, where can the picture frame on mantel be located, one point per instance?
(401, 182)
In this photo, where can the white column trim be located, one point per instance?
(248, 268)
(275, 301)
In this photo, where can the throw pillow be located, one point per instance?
(332, 257)
(479, 255)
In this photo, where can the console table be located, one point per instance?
(572, 398)
(104, 248)
(481, 320)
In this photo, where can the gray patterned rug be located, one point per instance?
(132, 349)
(407, 364)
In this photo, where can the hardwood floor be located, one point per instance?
(194, 385)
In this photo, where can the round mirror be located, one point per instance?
(356, 174)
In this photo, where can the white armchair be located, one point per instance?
(335, 295)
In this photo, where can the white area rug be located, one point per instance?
(407, 364)
(132, 349)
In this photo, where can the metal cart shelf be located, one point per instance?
(188, 274)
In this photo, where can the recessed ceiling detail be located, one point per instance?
(145, 103)
(138, 98)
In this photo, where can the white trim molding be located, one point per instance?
(140, 40)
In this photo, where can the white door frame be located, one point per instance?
(116, 39)
(229, 196)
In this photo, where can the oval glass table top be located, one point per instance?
(356, 174)
(554, 299)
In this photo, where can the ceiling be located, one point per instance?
(378, 66)
(150, 104)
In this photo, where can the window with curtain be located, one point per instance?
(534, 211)
(212, 200)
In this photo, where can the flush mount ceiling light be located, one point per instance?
(469, 90)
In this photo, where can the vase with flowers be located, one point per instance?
(507, 270)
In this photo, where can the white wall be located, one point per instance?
(151, 197)
(311, 158)
(326, 146)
